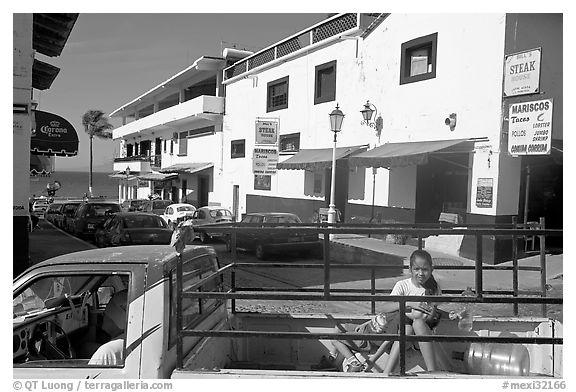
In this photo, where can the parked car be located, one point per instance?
(157, 207)
(66, 219)
(263, 243)
(133, 228)
(40, 206)
(176, 213)
(210, 215)
(132, 205)
(90, 214)
(54, 210)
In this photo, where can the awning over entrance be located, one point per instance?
(409, 153)
(318, 158)
(188, 168)
(122, 175)
(157, 177)
(53, 135)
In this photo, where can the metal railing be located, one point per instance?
(327, 294)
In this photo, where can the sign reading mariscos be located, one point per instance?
(265, 161)
(530, 128)
(522, 73)
(266, 132)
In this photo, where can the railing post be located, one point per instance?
(233, 246)
(326, 264)
(479, 265)
(402, 340)
(542, 242)
(373, 289)
(233, 289)
(179, 342)
(515, 263)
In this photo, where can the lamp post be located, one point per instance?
(367, 112)
(336, 118)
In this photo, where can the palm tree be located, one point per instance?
(95, 124)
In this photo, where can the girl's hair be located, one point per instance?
(431, 286)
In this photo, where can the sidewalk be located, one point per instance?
(47, 241)
(456, 279)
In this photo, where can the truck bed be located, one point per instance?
(263, 357)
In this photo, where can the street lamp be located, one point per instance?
(367, 112)
(336, 119)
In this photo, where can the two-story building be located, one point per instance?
(171, 137)
(436, 82)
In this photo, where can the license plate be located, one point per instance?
(90, 226)
(294, 239)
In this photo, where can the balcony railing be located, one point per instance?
(140, 158)
(320, 32)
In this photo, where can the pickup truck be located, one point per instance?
(174, 329)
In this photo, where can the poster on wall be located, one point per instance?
(266, 132)
(530, 128)
(265, 161)
(522, 73)
(484, 192)
(262, 182)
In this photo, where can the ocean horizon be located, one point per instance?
(75, 184)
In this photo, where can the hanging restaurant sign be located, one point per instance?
(522, 73)
(265, 161)
(53, 135)
(530, 128)
(266, 132)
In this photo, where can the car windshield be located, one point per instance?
(100, 210)
(185, 208)
(143, 221)
(283, 219)
(160, 204)
(220, 213)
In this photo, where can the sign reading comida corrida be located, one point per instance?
(266, 132)
(530, 128)
(265, 161)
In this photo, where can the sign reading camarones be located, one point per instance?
(266, 132)
(522, 73)
(265, 161)
(530, 128)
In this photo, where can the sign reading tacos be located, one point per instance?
(530, 128)
(265, 161)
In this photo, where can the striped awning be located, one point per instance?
(408, 153)
(318, 158)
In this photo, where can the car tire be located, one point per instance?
(260, 253)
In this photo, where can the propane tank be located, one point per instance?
(495, 359)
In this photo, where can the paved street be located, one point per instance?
(48, 241)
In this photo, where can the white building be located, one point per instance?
(171, 137)
(437, 82)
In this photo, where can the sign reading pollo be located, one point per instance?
(530, 128)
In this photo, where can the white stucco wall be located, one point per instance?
(468, 82)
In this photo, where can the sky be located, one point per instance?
(110, 59)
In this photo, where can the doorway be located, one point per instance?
(341, 190)
(442, 186)
(236, 203)
(203, 188)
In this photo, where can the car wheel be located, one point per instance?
(203, 237)
(260, 254)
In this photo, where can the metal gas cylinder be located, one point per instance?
(496, 359)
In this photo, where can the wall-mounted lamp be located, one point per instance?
(451, 121)
(367, 112)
